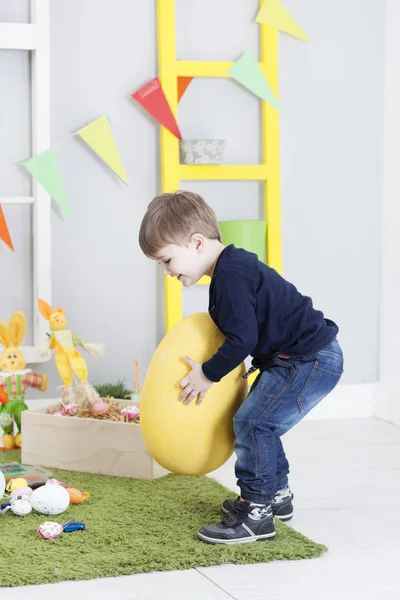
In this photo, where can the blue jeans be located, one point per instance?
(280, 397)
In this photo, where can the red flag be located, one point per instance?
(4, 233)
(183, 83)
(151, 96)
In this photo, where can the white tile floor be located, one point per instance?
(346, 478)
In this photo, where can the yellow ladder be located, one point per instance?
(172, 172)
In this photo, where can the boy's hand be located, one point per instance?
(195, 384)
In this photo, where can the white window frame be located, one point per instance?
(35, 37)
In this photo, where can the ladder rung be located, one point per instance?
(223, 172)
(199, 68)
(18, 36)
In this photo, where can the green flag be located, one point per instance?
(247, 72)
(44, 168)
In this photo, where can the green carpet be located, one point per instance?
(132, 526)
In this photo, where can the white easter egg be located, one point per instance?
(2, 484)
(21, 506)
(50, 499)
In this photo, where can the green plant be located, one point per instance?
(114, 390)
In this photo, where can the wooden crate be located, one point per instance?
(87, 445)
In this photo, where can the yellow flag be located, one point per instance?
(99, 137)
(273, 13)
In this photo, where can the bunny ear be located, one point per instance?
(17, 327)
(45, 309)
(4, 335)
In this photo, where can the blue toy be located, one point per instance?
(73, 526)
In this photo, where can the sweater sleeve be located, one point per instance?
(235, 305)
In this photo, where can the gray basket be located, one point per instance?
(201, 152)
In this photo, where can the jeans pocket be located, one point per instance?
(275, 380)
(318, 385)
(330, 359)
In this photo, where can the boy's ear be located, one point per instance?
(197, 239)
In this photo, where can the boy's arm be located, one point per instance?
(236, 308)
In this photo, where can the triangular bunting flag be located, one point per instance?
(273, 13)
(44, 168)
(4, 233)
(98, 135)
(151, 96)
(183, 83)
(247, 72)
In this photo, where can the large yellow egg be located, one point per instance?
(189, 439)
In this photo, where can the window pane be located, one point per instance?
(15, 11)
(16, 267)
(15, 124)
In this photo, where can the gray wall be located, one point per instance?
(331, 148)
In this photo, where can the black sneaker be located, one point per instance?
(282, 506)
(242, 523)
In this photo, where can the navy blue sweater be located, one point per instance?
(261, 314)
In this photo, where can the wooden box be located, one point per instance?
(87, 445)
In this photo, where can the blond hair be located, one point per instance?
(173, 218)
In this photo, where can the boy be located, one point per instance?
(262, 315)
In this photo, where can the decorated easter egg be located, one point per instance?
(2, 484)
(130, 412)
(189, 439)
(71, 409)
(100, 408)
(76, 496)
(16, 483)
(50, 499)
(50, 530)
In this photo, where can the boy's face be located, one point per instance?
(186, 263)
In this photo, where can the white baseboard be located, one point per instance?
(352, 401)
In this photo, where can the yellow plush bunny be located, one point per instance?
(14, 378)
(68, 359)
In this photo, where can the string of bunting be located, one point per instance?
(98, 134)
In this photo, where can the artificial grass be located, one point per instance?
(132, 526)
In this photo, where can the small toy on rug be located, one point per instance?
(50, 530)
(25, 491)
(19, 505)
(15, 379)
(76, 496)
(16, 483)
(68, 360)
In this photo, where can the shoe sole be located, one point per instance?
(281, 518)
(284, 517)
(249, 540)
